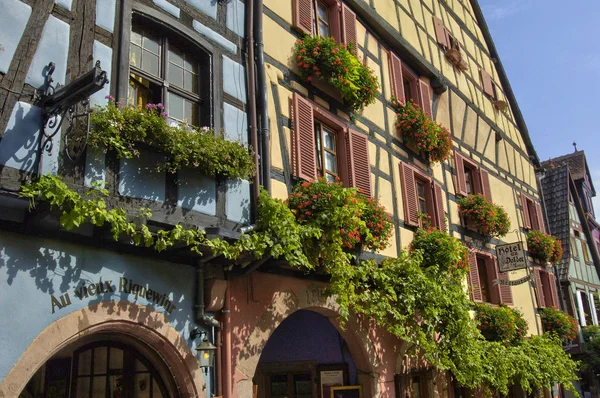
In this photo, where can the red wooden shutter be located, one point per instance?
(485, 184)
(487, 83)
(461, 182)
(553, 290)
(409, 195)
(526, 220)
(540, 217)
(396, 80)
(440, 32)
(306, 162)
(359, 166)
(539, 289)
(493, 275)
(303, 16)
(335, 21)
(439, 207)
(349, 27)
(474, 283)
(505, 290)
(424, 97)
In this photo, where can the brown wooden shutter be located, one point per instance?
(396, 79)
(485, 184)
(335, 21)
(304, 134)
(553, 290)
(540, 217)
(487, 83)
(424, 97)
(440, 32)
(526, 220)
(439, 207)
(505, 290)
(539, 289)
(349, 27)
(493, 275)
(303, 16)
(461, 182)
(409, 195)
(359, 166)
(474, 282)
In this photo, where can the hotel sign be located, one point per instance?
(511, 257)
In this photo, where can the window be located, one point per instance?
(166, 69)
(574, 252)
(532, 214)
(585, 310)
(325, 18)
(488, 84)
(421, 195)
(586, 253)
(325, 146)
(483, 271)
(406, 85)
(412, 385)
(450, 45)
(486, 291)
(545, 288)
(470, 178)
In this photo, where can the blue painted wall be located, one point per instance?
(308, 336)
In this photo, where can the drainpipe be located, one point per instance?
(227, 393)
(251, 68)
(261, 96)
(201, 317)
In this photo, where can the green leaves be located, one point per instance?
(486, 217)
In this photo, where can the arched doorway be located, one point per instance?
(103, 366)
(304, 357)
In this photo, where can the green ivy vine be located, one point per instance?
(418, 297)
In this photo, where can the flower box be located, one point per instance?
(543, 247)
(483, 216)
(559, 323)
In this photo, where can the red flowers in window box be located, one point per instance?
(544, 247)
(418, 129)
(502, 323)
(323, 59)
(559, 323)
(484, 216)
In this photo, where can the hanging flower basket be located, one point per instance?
(483, 216)
(544, 247)
(502, 324)
(421, 132)
(559, 323)
(321, 58)
(441, 250)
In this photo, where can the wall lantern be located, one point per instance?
(206, 350)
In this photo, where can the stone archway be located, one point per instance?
(283, 305)
(150, 328)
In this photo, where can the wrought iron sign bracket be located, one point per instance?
(60, 102)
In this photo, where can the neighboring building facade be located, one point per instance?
(568, 190)
(276, 331)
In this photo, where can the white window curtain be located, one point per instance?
(580, 309)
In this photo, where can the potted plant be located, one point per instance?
(483, 216)
(502, 324)
(544, 247)
(421, 132)
(322, 59)
(559, 323)
(500, 105)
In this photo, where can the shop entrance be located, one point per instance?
(305, 357)
(107, 367)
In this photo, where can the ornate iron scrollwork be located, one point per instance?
(61, 103)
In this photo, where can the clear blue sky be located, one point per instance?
(550, 50)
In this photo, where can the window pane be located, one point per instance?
(115, 386)
(116, 358)
(190, 82)
(176, 107)
(83, 387)
(189, 64)
(330, 162)
(323, 29)
(175, 75)
(139, 366)
(136, 38)
(135, 56)
(99, 386)
(421, 189)
(175, 56)
(322, 10)
(329, 138)
(100, 360)
(279, 385)
(141, 385)
(330, 178)
(150, 63)
(85, 362)
(151, 44)
(156, 393)
(191, 113)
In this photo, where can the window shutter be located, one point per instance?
(487, 83)
(485, 184)
(505, 290)
(461, 182)
(424, 97)
(359, 166)
(335, 21)
(349, 26)
(474, 283)
(493, 275)
(303, 16)
(304, 139)
(539, 289)
(553, 290)
(396, 80)
(440, 32)
(526, 220)
(409, 195)
(540, 217)
(439, 206)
